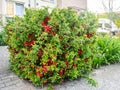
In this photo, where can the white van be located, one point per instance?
(104, 25)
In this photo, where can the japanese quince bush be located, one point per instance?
(51, 47)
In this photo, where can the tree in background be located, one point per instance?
(117, 22)
(110, 7)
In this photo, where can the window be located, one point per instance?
(19, 9)
(100, 25)
(9, 8)
(108, 26)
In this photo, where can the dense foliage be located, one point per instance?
(2, 43)
(107, 51)
(51, 47)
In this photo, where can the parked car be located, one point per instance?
(106, 26)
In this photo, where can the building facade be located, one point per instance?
(10, 8)
(78, 5)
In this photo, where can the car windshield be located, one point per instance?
(100, 25)
(108, 26)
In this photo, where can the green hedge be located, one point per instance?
(107, 51)
(51, 47)
(2, 43)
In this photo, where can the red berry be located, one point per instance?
(54, 33)
(88, 35)
(61, 72)
(40, 53)
(44, 64)
(26, 43)
(50, 61)
(28, 48)
(86, 60)
(46, 19)
(44, 69)
(67, 63)
(79, 51)
(47, 29)
(30, 35)
(54, 63)
(44, 24)
(39, 74)
(74, 65)
(31, 42)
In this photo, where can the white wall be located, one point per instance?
(38, 3)
(33, 4)
(3, 11)
(43, 3)
(25, 2)
(0, 6)
(73, 3)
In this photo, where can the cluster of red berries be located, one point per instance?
(31, 42)
(45, 26)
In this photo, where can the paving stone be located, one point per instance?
(5, 77)
(14, 78)
(12, 83)
(2, 75)
(13, 87)
(5, 80)
(20, 84)
(2, 85)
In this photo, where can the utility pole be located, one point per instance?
(109, 6)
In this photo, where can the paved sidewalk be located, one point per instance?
(107, 77)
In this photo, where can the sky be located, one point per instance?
(96, 6)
